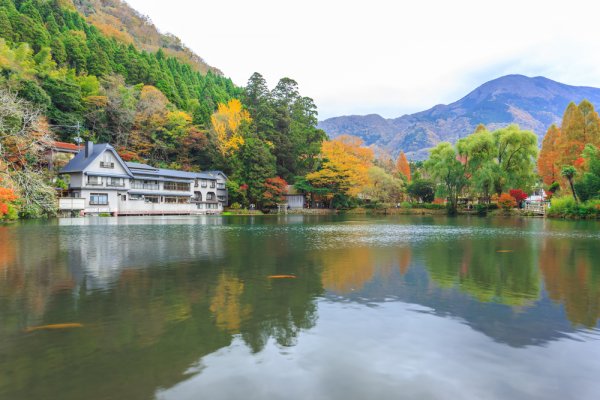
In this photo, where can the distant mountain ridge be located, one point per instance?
(533, 103)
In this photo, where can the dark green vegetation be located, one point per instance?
(166, 301)
(76, 76)
(532, 103)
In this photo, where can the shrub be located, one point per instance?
(507, 202)
(235, 206)
(405, 204)
(518, 195)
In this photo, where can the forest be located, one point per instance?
(61, 77)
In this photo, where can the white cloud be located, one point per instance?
(390, 57)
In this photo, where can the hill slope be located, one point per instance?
(533, 103)
(117, 19)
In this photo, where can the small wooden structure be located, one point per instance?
(536, 208)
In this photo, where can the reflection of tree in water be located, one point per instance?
(476, 267)
(151, 324)
(349, 269)
(572, 277)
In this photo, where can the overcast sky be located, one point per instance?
(387, 57)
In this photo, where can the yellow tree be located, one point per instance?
(345, 167)
(226, 124)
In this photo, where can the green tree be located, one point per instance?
(448, 172)
(588, 187)
(569, 172)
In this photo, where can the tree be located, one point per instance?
(549, 155)
(345, 167)
(226, 124)
(384, 187)
(7, 206)
(275, 188)
(569, 172)
(580, 126)
(422, 190)
(507, 202)
(448, 172)
(588, 187)
(516, 154)
(518, 195)
(403, 167)
(255, 164)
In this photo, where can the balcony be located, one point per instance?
(71, 203)
(145, 186)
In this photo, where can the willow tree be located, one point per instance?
(449, 173)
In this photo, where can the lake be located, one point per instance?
(359, 308)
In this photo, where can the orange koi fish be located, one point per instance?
(53, 327)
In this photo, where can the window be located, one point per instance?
(136, 197)
(114, 182)
(220, 185)
(152, 199)
(204, 183)
(177, 200)
(98, 199)
(94, 181)
(212, 184)
(144, 184)
(221, 198)
(107, 162)
(210, 196)
(177, 186)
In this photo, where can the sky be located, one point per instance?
(387, 57)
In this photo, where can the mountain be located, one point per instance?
(533, 103)
(117, 19)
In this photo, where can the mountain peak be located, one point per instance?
(532, 102)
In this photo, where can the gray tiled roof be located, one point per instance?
(142, 171)
(79, 163)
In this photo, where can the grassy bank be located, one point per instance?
(567, 207)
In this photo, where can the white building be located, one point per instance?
(101, 182)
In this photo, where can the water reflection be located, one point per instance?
(161, 298)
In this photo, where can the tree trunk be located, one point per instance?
(573, 190)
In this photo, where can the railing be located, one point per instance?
(115, 184)
(147, 186)
(537, 208)
(71, 203)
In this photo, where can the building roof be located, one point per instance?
(64, 146)
(79, 163)
(138, 170)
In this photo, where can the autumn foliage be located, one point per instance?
(7, 196)
(275, 188)
(226, 124)
(345, 166)
(548, 159)
(518, 195)
(506, 201)
(403, 167)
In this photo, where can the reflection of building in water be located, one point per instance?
(110, 246)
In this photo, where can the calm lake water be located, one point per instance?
(381, 308)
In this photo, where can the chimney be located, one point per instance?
(89, 149)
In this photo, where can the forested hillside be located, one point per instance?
(117, 19)
(61, 76)
(58, 61)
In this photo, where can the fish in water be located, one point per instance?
(504, 251)
(53, 327)
(282, 276)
